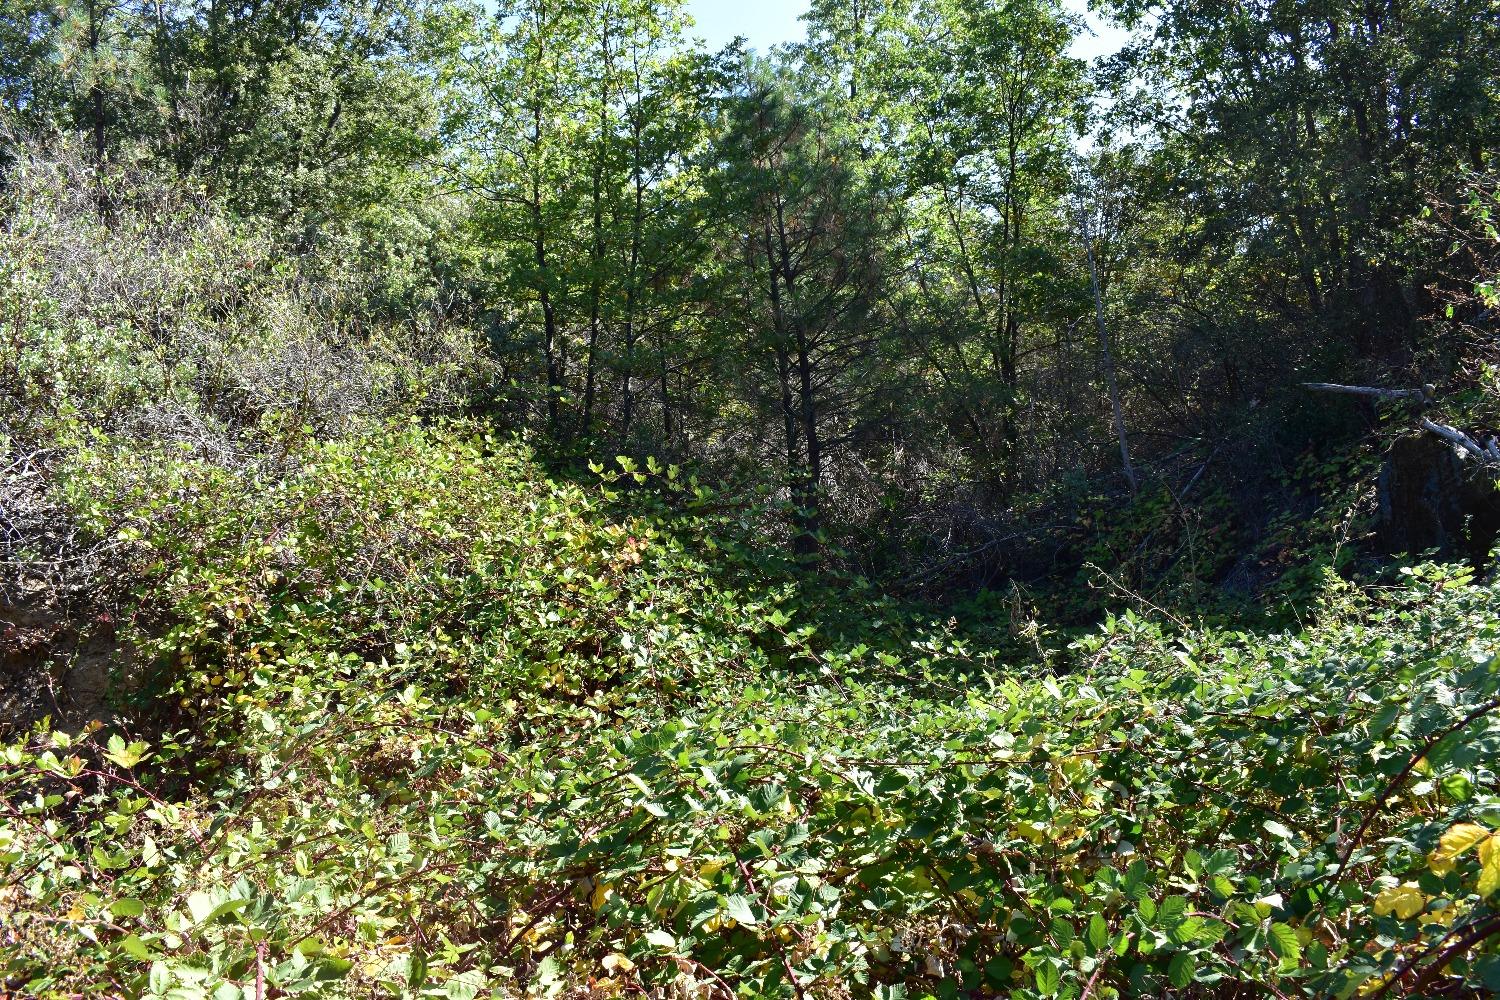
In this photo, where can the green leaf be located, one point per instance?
(159, 980)
(661, 939)
(739, 907)
(1048, 978)
(464, 986)
(200, 905)
(123, 755)
(1457, 787)
(1187, 931)
(228, 906)
(1180, 971)
(127, 907)
(1098, 932)
(1172, 910)
(1283, 941)
(1277, 830)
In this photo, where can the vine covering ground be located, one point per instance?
(439, 723)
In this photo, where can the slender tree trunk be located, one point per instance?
(665, 371)
(544, 292)
(812, 474)
(1106, 357)
(783, 363)
(549, 320)
(637, 225)
(596, 253)
(550, 343)
(96, 88)
(809, 477)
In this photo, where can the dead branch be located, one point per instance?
(1422, 395)
(1488, 453)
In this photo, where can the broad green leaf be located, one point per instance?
(1277, 829)
(1180, 970)
(740, 909)
(127, 907)
(661, 939)
(200, 904)
(159, 980)
(1048, 978)
(133, 946)
(1284, 943)
(1098, 932)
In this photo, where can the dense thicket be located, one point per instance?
(500, 500)
(879, 273)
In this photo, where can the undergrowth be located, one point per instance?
(438, 724)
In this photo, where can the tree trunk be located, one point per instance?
(807, 479)
(544, 296)
(632, 276)
(596, 252)
(96, 89)
(1106, 358)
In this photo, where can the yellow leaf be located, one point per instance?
(1489, 872)
(1456, 841)
(602, 892)
(1031, 832)
(617, 962)
(1405, 901)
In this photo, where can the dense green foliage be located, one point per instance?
(880, 273)
(439, 723)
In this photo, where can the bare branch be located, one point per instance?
(1421, 395)
(1458, 437)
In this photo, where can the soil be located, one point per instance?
(52, 665)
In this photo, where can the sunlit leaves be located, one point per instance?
(756, 777)
(1404, 901)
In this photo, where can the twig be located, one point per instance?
(786, 963)
(1472, 935)
(1406, 771)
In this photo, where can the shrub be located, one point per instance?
(442, 725)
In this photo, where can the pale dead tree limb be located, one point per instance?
(1182, 493)
(1422, 395)
(1486, 453)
